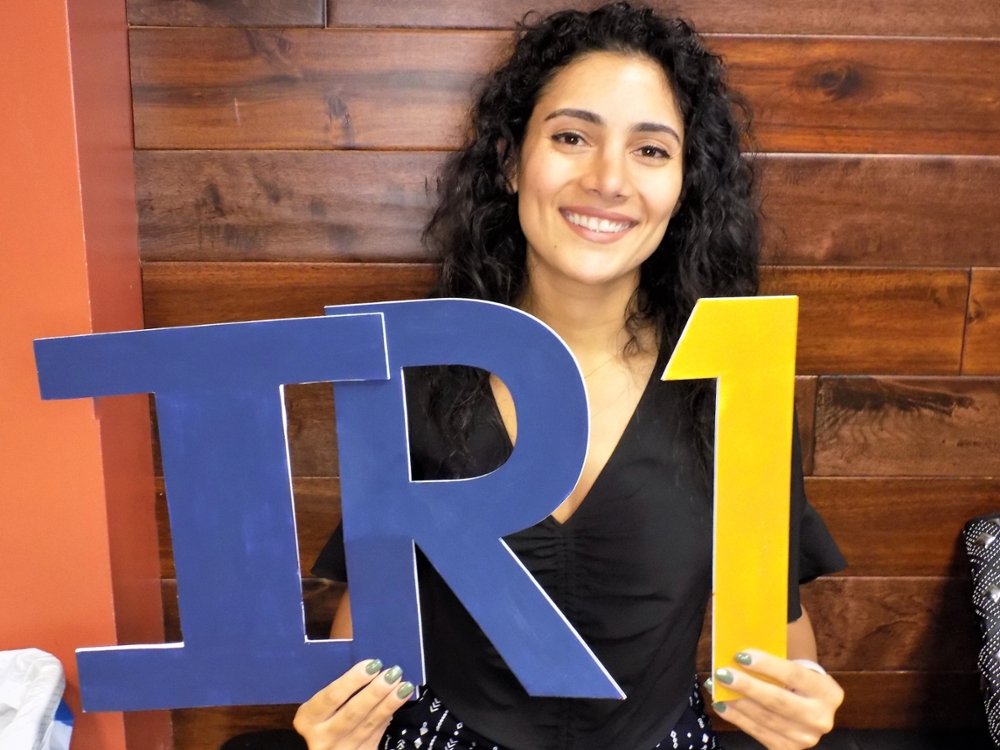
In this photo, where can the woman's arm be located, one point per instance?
(342, 627)
(801, 639)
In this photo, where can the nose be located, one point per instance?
(607, 175)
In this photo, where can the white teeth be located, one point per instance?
(597, 225)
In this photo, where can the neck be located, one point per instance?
(589, 318)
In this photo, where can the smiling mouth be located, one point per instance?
(602, 226)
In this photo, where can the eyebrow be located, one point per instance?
(639, 127)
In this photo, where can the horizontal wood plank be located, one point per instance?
(303, 88)
(881, 210)
(875, 320)
(226, 12)
(284, 205)
(902, 527)
(884, 526)
(910, 699)
(851, 320)
(886, 624)
(878, 624)
(908, 427)
(208, 728)
(196, 293)
(982, 334)
(312, 88)
(892, 17)
(805, 408)
(372, 206)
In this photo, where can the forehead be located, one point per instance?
(613, 84)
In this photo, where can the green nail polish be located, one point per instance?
(744, 658)
(708, 684)
(404, 690)
(392, 675)
(725, 676)
(720, 708)
(373, 666)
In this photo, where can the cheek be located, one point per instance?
(664, 199)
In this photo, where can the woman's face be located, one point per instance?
(600, 170)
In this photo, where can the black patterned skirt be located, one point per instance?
(426, 724)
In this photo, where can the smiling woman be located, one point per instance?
(602, 190)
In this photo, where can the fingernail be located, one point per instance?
(393, 674)
(725, 676)
(708, 684)
(720, 708)
(744, 658)
(373, 666)
(404, 690)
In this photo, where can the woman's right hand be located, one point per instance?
(334, 720)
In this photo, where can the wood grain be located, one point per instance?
(890, 700)
(982, 334)
(875, 320)
(902, 527)
(317, 513)
(208, 728)
(281, 205)
(908, 427)
(805, 409)
(304, 88)
(851, 320)
(884, 527)
(371, 206)
(881, 210)
(196, 293)
(312, 430)
(312, 88)
(892, 17)
(886, 624)
(226, 12)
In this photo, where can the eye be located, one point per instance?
(653, 152)
(568, 138)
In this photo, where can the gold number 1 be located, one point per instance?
(748, 344)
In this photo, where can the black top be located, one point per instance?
(631, 569)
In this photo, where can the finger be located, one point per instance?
(355, 712)
(777, 699)
(734, 714)
(326, 702)
(378, 716)
(794, 676)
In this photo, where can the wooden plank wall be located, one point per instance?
(286, 154)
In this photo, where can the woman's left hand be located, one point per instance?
(781, 718)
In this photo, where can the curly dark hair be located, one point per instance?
(711, 245)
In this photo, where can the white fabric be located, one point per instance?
(31, 686)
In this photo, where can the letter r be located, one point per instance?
(459, 524)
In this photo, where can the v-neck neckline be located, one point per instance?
(630, 425)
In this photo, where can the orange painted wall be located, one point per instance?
(77, 532)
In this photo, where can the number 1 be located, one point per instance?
(748, 345)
